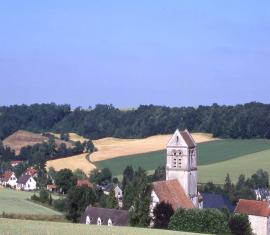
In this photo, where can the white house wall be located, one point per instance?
(259, 224)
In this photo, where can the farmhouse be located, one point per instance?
(105, 216)
(15, 163)
(85, 183)
(258, 214)
(180, 187)
(9, 178)
(26, 182)
(31, 171)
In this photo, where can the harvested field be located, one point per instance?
(22, 138)
(72, 163)
(109, 148)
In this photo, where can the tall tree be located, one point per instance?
(162, 214)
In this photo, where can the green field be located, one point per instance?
(12, 201)
(10, 227)
(215, 159)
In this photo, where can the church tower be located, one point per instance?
(182, 163)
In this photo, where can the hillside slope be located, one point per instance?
(10, 227)
(109, 148)
(21, 139)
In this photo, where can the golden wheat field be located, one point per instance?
(72, 163)
(109, 148)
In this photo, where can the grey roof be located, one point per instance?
(23, 179)
(188, 139)
(118, 217)
(213, 200)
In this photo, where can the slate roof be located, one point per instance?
(118, 217)
(253, 207)
(6, 176)
(185, 135)
(213, 200)
(23, 179)
(171, 191)
(188, 139)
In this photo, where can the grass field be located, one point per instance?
(12, 201)
(10, 227)
(215, 159)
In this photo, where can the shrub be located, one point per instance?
(43, 196)
(239, 224)
(60, 204)
(210, 221)
(162, 214)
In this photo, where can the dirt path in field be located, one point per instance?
(112, 147)
(72, 163)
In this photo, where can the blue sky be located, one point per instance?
(127, 53)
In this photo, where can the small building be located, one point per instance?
(117, 192)
(51, 187)
(9, 179)
(86, 183)
(15, 163)
(26, 182)
(258, 214)
(105, 216)
(31, 171)
(218, 201)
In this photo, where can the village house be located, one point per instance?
(180, 187)
(9, 179)
(15, 163)
(51, 187)
(105, 216)
(258, 214)
(117, 192)
(31, 171)
(26, 182)
(86, 183)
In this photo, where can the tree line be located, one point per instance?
(251, 120)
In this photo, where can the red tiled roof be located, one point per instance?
(15, 162)
(30, 171)
(171, 191)
(51, 186)
(6, 176)
(81, 183)
(253, 207)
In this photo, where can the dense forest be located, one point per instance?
(251, 120)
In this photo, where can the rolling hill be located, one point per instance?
(22, 138)
(10, 227)
(110, 148)
(12, 201)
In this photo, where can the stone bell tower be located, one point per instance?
(182, 163)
